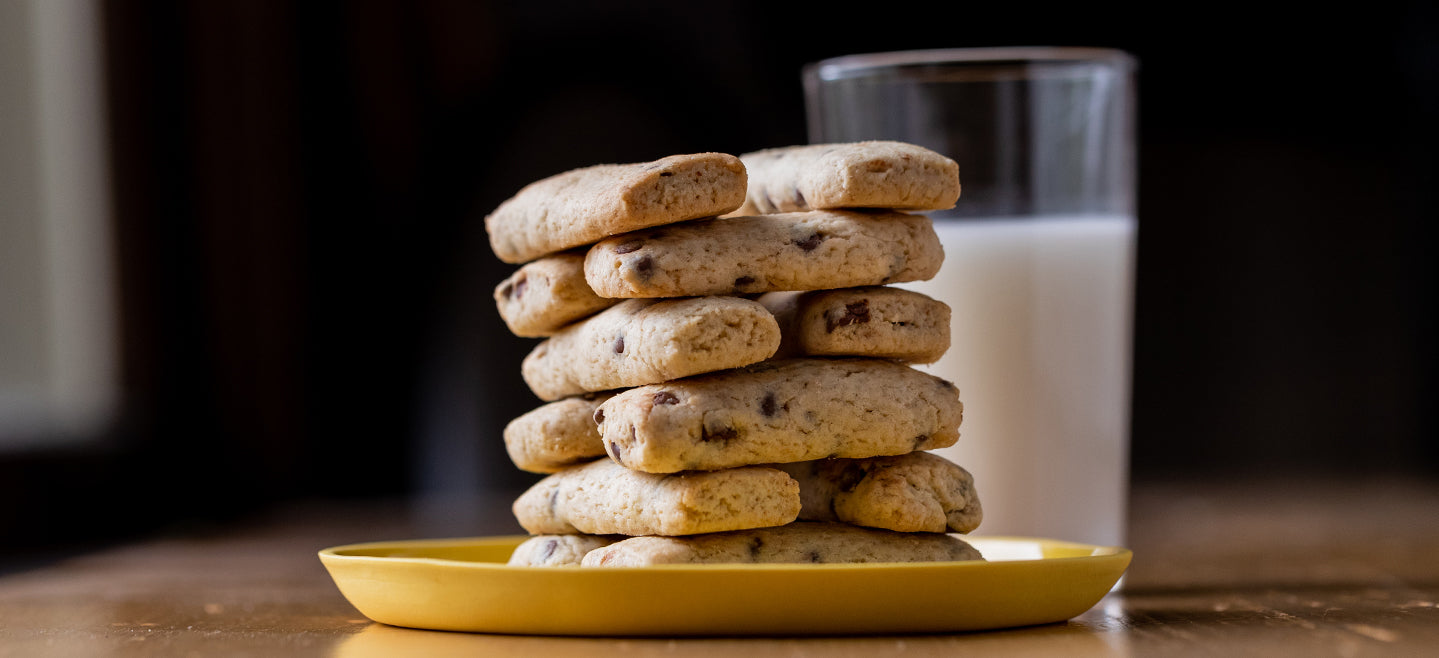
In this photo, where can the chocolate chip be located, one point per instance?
(616, 453)
(810, 243)
(599, 416)
(945, 383)
(520, 286)
(755, 545)
(549, 550)
(629, 245)
(667, 173)
(666, 397)
(554, 499)
(768, 406)
(850, 477)
(723, 434)
(799, 199)
(620, 345)
(743, 281)
(854, 313)
(920, 441)
(507, 290)
(644, 266)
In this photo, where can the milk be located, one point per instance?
(1041, 354)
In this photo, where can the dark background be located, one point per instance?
(305, 282)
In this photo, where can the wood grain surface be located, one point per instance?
(1313, 568)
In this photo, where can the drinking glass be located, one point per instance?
(1039, 262)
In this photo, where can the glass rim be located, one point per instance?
(835, 68)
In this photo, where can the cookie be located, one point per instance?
(558, 550)
(877, 321)
(581, 206)
(557, 435)
(812, 250)
(803, 542)
(603, 498)
(917, 492)
(644, 341)
(780, 411)
(545, 295)
(873, 174)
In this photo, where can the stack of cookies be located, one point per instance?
(726, 371)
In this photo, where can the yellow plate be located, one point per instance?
(465, 585)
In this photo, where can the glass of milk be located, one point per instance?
(1039, 262)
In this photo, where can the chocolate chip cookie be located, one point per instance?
(878, 321)
(869, 174)
(558, 550)
(545, 295)
(581, 206)
(645, 341)
(780, 411)
(813, 250)
(916, 492)
(796, 543)
(556, 436)
(603, 497)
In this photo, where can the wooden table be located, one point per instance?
(1314, 568)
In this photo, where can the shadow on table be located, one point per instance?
(1067, 639)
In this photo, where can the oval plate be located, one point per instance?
(465, 585)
